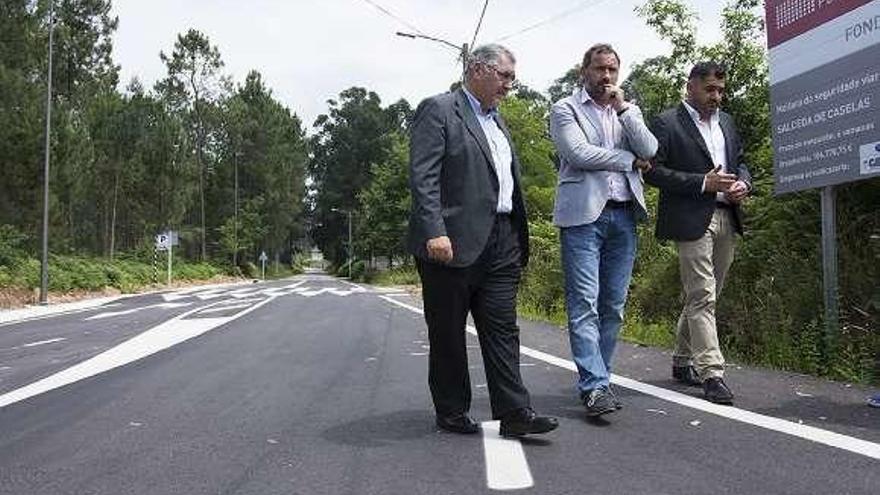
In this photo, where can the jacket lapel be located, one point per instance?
(730, 153)
(687, 123)
(583, 114)
(466, 113)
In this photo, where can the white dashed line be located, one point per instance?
(506, 464)
(44, 342)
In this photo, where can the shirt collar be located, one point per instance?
(696, 115)
(477, 106)
(586, 99)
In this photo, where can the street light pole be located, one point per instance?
(463, 50)
(350, 247)
(235, 226)
(44, 268)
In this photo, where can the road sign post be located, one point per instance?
(263, 259)
(166, 242)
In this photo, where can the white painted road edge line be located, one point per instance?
(506, 465)
(811, 433)
(158, 338)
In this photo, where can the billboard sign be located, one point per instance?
(824, 99)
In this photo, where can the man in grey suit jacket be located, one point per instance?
(603, 146)
(702, 179)
(469, 234)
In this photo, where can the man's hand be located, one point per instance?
(737, 192)
(643, 165)
(718, 181)
(440, 249)
(616, 97)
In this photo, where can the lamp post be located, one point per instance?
(350, 246)
(44, 267)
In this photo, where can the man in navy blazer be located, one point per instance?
(703, 180)
(603, 146)
(469, 233)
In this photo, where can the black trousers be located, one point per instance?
(487, 289)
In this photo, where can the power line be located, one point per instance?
(393, 16)
(479, 23)
(555, 18)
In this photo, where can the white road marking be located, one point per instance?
(224, 308)
(43, 342)
(506, 464)
(811, 433)
(110, 314)
(14, 318)
(158, 338)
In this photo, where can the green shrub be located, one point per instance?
(11, 245)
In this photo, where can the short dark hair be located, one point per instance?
(702, 70)
(598, 48)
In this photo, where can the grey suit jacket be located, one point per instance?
(582, 190)
(453, 181)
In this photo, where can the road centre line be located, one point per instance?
(811, 433)
(506, 465)
(158, 338)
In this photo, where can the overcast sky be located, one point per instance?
(310, 50)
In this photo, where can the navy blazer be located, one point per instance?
(683, 159)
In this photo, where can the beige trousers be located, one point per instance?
(703, 264)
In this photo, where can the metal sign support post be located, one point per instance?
(829, 263)
(170, 248)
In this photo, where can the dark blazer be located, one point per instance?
(453, 182)
(682, 160)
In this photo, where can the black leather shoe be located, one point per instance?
(599, 401)
(686, 375)
(525, 422)
(458, 423)
(715, 390)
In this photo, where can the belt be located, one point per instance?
(724, 206)
(618, 204)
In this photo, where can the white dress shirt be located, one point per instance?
(610, 130)
(502, 157)
(713, 136)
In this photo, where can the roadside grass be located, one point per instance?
(80, 275)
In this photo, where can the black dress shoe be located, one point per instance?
(458, 423)
(686, 375)
(599, 401)
(525, 422)
(715, 390)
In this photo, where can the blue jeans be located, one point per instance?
(597, 261)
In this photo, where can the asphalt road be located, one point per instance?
(313, 385)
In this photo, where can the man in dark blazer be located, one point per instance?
(469, 234)
(702, 179)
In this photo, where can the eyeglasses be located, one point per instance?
(506, 76)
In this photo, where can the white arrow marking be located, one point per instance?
(163, 336)
(224, 308)
(110, 314)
